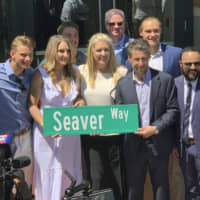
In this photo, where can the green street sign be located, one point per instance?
(90, 119)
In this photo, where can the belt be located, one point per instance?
(22, 132)
(191, 141)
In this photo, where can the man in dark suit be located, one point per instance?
(155, 94)
(164, 58)
(188, 87)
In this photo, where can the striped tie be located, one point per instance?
(187, 114)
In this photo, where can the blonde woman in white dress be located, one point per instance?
(54, 84)
(98, 80)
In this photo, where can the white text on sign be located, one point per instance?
(74, 122)
(119, 114)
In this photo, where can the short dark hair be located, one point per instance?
(138, 45)
(189, 49)
(149, 18)
(67, 24)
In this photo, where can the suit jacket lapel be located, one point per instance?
(196, 101)
(124, 51)
(155, 87)
(132, 88)
(180, 91)
(165, 58)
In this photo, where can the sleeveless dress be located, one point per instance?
(53, 156)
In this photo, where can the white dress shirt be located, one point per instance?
(156, 60)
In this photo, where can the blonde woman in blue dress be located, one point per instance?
(54, 84)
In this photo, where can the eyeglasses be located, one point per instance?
(189, 64)
(114, 23)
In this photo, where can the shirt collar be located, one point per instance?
(8, 68)
(10, 71)
(193, 83)
(121, 42)
(146, 77)
(158, 53)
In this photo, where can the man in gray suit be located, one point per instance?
(150, 146)
(188, 87)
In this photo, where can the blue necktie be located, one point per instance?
(187, 114)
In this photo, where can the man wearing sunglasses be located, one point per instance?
(115, 26)
(188, 87)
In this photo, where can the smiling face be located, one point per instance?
(139, 60)
(21, 58)
(116, 26)
(150, 31)
(101, 55)
(190, 65)
(63, 54)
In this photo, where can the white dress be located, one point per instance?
(53, 156)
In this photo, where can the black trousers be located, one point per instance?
(136, 165)
(102, 154)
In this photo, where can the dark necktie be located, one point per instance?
(187, 114)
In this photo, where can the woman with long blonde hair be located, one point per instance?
(99, 77)
(54, 84)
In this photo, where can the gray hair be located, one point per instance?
(138, 45)
(112, 12)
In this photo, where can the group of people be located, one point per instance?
(162, 80)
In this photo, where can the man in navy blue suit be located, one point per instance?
(163, 57)
(188, 86)
(150, 146)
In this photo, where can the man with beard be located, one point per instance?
(188, 86)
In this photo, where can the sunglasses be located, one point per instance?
(114, 23)
(189, 64)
